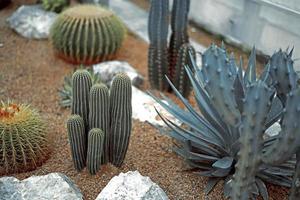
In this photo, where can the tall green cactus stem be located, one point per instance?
(77, 139)
(158, 49)
(288, 141)
(95, 150)
(87, 34)
(82, 84)
(256, 107)
(55, 5)
(181, 79)
(295, 191)
(283, 73)
(121, 113)
(99, 116)
(179, 36)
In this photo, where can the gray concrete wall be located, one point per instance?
(267, 24)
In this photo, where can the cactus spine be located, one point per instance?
(87, 34)
(82, 84)
(158, 49)
(99, 116)
(77, 139)
(95, 150)
(181, 79)
(121, 112)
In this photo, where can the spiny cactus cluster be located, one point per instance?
(66, 93)
(100, 125)
(23, 138)
(163, 59)
(87, 34)
(55, 5)
(228, 140)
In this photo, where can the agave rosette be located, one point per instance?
(209, 139)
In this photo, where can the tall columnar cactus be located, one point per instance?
(77, 139)
(181, 79)
(82, 84)
(158, 49)
(99, 116)
(23, 138)
(95, 150)
(121, 112)
(87, 34)
(228, 139)
(179, 36)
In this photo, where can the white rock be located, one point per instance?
(108, 70)
(32, 22)
(143, 109)
(131, 186)
(273, 130)
(52, 186)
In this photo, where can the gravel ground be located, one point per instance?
(30, 73)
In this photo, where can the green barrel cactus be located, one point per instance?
(95, 150)
(82, 84)
(55, 5)
(77, 139)
(24, 141)
(87, 34)
(99, 116)
(121, 113)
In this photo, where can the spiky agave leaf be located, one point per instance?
(65, 92)
(208, 141)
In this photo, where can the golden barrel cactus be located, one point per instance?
(24, 143)
(87, 34)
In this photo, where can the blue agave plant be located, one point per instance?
(224, 137)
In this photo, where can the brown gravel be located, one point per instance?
(29, 73)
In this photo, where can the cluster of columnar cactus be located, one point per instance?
(23, 138)
(100, 125)
(163, 59)
(228, 140)
(87, 34)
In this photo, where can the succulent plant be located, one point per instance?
(23, 138)
(158, 49)
(87, 34)
(227, 141)
(95, 150)
(99, 111)
(99, 115)
(121, 113)
(161, 59)
(66, 93)
(77, 139)
(55, 5)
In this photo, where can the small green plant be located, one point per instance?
(87, 34)
(163, 59)
(23, 138)
(55, 5)
(97, 110)
(66, 93)
(227, 140)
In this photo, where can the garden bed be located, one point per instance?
(30, 73)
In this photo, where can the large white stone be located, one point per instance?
(52, 186)
(143, 109)
(132, 186)
(32, 22)
(107, 70)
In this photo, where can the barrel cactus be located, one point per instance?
(228, 139)
(23, 138)
(87, 34)
(55, 5)
(100, 112)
